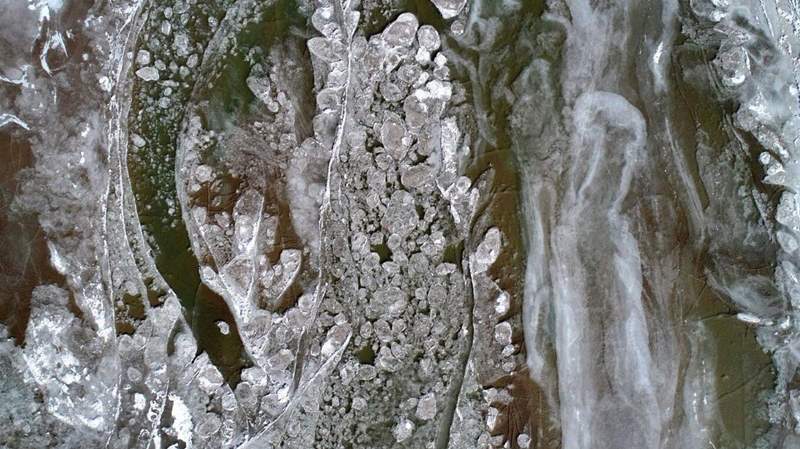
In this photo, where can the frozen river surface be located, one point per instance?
(428, 224)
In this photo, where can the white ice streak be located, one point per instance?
(601, 327)
(8, 119)
(596, 36)
(662, 54)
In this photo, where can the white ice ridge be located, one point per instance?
(604, 362)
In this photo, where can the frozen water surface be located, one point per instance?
(438, 224)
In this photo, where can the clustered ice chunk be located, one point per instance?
(379, 125)
(449, 8)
